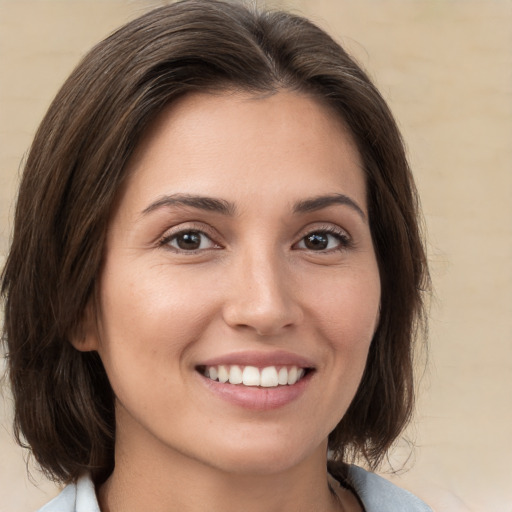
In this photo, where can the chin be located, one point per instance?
(266, 458)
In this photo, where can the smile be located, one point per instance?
(252, 376)
(257, 380)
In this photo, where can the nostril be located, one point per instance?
(263, 321)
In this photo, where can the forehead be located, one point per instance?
(233, 143)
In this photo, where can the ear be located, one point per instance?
(85, 337)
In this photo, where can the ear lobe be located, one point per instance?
(84, 342)
(85, 337)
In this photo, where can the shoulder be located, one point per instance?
(75, 497)
(379, 495)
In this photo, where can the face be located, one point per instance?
(240, 289)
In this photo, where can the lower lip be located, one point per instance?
(257, 398)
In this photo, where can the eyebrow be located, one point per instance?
(210, 204)
(224, 207)
(317, 203)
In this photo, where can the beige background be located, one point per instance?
(446, 69)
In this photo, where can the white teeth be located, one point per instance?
(292, 375)
(267, 377)
(251, 376)
(235, 375)
(213, 373)
(282, 376)
(223, 374)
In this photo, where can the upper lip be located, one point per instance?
(260, 359)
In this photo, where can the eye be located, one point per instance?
(189, 240)
(324, 240)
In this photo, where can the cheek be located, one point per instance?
(348, 312)
(149, 324)
(345, 320)
(150, 317)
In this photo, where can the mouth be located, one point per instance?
(253, 376)
(257, 380)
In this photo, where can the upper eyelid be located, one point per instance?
(189, 226)
(345, 239)
(327, 228)
(217, 238)
(200, 227)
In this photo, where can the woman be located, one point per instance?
(216, 273)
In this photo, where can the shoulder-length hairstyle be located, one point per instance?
(64, 405)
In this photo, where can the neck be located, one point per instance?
(168, 481)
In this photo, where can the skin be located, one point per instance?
(252, 285)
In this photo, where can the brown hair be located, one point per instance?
(64, 405)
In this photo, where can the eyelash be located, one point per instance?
(166, 240)
(344, 240)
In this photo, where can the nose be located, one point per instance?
(262, 296)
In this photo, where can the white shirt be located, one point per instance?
(376, 493)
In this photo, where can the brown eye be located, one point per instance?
(323, 241)
(190, 241)
(316, 241)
